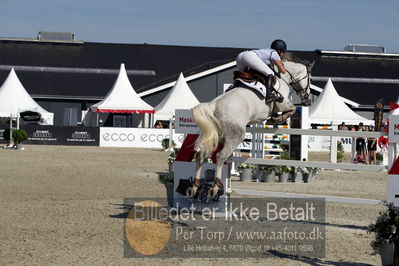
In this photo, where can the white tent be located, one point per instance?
(329, 108)
(395, 111)
(179, 97)
(122, 98)
(14, 98)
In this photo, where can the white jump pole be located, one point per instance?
(333, 147)
(393, 136)
(170, 132)
(18, 119)
(304, 138)
(393, 174)
(11, 138)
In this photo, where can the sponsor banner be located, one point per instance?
(136, 137)
(322, 143)
(59, 135)
(184, 122)
(393, 129)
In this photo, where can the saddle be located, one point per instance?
(252, 76)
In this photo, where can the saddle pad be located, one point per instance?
(256, 85)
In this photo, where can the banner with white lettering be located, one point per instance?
(58, 135)
(136, 137)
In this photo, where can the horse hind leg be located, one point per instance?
(199, 161)
(232, 138)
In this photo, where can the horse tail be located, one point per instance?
(211, 131)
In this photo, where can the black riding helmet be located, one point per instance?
(279, 45)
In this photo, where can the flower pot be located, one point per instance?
(283, 177)
(297, 177)
(308, 177)
(170, 166)
(18, 146)
(169, 194)
(386, 253)
(246, 175)
(268, 176)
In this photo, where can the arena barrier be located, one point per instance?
(314, 132)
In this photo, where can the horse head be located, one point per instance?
(298, 75)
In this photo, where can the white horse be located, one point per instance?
(224, 119)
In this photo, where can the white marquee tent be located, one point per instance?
(122, 98)
(329, 108)
(14, 98)
(179, 97)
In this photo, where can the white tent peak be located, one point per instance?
(14, 98)
(122, 98)
(179, 97)
(329, 107)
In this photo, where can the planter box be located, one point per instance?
(387, 254)
(169, 194)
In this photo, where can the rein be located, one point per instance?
(297, 88)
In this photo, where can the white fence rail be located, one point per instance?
(314, 132)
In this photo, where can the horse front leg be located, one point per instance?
(287, 109)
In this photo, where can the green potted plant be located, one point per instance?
(246, 170)
(268, 172)
(172, 158)
(308, 174)
(166, 178)
(165, 144)
(379, 158)
(340, 152)
(284, 173)
(299, 173)
(19, 136)
(386, 231)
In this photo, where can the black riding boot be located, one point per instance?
(272, 95)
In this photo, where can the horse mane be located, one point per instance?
(291, 57)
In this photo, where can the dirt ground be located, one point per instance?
(63, 205)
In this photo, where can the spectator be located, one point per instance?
(360, 147)
(159, 125)
(343, 126)
(372, 148)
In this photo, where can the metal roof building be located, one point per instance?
(70, 74)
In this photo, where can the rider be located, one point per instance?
(260, 60)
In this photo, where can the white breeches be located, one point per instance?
(250, 59)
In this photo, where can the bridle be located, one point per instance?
(303, 92)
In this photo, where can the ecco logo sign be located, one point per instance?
(152, 137)
(118, 137)
(131, 137)
(136, 137)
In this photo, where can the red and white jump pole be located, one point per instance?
(393, 160)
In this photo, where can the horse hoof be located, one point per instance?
(213, 192)
(191, 191)
(203, 195)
